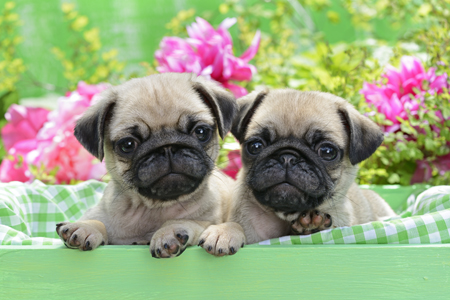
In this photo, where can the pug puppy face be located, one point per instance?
(300, 149)
(159, 134)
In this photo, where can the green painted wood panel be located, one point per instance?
(256, 272)
(396, 195)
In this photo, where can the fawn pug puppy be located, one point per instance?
(300, 152)
(159, 138)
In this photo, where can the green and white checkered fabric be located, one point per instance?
(29, 213)
(425, 221)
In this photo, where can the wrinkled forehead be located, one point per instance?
(299, 115)
(149, 107)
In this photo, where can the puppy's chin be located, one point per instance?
(171, 187)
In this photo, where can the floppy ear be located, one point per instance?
(221, 103)
(90, 128)
(247, 106)
(364, 135)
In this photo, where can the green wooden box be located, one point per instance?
(255, 272)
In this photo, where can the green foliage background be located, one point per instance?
(11, 66)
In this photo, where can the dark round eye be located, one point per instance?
(327, 152)
(255, 147)
(127, 145)
(203, 133)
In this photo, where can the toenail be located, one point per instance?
(158, 251)
(65, 230)
(183, 238)
(232, 250)
(103, 243)
(242, 246)
(328, 216)
(74, 237)
(220, 251)
(316, 212)
(201, 242)
(134, 243)
(153, 253)
(166, 246)
(209, 248)
(293, 222)
(59, 224)
(87, 246)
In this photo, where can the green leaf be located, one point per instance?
(394, 178)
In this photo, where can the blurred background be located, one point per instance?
(343, 46)
(135, 28)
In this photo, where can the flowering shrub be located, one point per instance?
(41, 144)
(11, 65)
(208, 52)
(415, 110)
(404, 91)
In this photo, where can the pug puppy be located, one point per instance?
(159, 138)
(300, 152)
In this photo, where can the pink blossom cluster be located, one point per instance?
(208, 52)
(404, 90)
(42, 138)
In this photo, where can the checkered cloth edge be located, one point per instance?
(29, 212)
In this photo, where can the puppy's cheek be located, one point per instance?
(222, 239)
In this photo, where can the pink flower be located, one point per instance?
(10, 170)
(51, 142)
(403, 91)
(24, 123)
(90, 90)
(19, 139)
(208, 52)
(234, 164)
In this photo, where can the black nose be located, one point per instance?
(288, 158)
(168, 150)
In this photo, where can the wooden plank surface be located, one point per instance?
(256, 272)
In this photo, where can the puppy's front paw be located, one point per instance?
(80, 235)
(223, 239)
(170, 241)
(310, 222)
